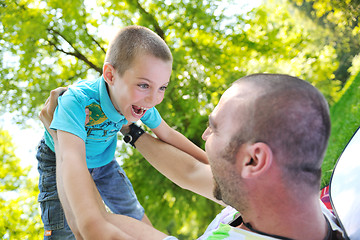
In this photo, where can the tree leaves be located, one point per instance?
(46, 44)
(341, 18)
(19, 213)
(49, 45)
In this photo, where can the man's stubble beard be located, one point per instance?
(217, 191)
(236, 198)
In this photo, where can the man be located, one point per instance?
(265, 143)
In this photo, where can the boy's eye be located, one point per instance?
(143, 85)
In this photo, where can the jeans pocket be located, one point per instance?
(52, 214)
(45, 154)
(47, 181)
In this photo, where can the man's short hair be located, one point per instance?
(292, 117)
(133, 41)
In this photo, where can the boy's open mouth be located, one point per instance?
(138, 111)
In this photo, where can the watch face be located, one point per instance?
(127, 138)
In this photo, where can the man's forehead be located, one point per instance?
(231, 91)
(230, 101)
(238, 93)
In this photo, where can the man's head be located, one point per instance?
(279, 118)
(137, 71)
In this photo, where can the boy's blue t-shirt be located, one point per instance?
(100, 134)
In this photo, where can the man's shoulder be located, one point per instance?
(219, 228)
(225, 231)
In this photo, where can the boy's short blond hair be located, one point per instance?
(132, 41)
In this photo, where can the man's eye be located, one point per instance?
(143, 86)
(163, 88)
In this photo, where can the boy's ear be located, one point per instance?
(109, 73)
(257, 160)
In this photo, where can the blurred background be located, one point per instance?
(46, 44)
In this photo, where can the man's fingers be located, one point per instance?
(87, 112)
(125, 128)
(54, 94)
(47, 112)
(59, 91)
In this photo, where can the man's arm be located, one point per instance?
(178, 166)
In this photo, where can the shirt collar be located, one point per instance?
(107, 106)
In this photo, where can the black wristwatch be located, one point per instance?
(133, 135)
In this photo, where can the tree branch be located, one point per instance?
(151, 18)
(76, 53)
(93, 39)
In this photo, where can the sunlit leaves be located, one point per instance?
(46, 44)
(341, 19)
(19, 213)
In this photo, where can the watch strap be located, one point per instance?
(133, 135)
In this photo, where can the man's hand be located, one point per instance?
(47, 113)
(87, 118)
(125, 128)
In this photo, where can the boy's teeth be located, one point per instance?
(139, 110)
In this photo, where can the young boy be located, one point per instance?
(136, 73)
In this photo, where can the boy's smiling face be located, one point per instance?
(140, 88)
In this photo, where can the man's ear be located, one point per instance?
(109, 73)
(257, 160)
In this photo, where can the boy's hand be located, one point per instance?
(47, 112)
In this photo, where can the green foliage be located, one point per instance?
(276, 43)
(341, 19)
(19, 213)
(46, 44)
(345, 116)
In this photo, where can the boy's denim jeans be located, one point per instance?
(114, 187)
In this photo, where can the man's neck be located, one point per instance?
(294, 220)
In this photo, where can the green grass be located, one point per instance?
(345, 119)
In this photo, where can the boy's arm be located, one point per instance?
(73, 178)
(165, 133)
(85, 215)
(82, 197)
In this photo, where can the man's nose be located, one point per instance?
(205, 134)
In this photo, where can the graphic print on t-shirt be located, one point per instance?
(96, 115)
(100, 128)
